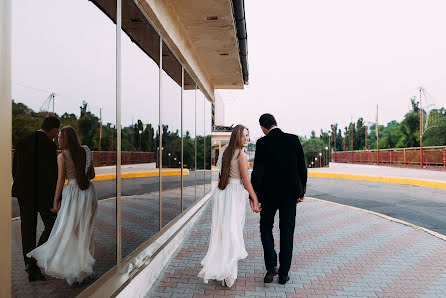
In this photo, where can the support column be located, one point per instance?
(5, 148)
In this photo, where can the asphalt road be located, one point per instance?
(134, 186)
(421, 206)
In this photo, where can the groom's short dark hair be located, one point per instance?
(267, 121)
(49, 123)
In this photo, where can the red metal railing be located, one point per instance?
(108, 158)
(434, 156)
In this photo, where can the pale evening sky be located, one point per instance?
(312, 63)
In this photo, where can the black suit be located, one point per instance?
(34, 173)
(279, 178)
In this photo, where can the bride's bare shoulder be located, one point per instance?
(242, 154)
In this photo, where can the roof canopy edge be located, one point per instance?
(162, 15)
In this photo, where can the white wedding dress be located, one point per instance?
(69, 251)
(226, 244)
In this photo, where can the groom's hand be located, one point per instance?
(300, 200)
(253, 206)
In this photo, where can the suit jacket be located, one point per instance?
(34, 170)
(279, 167)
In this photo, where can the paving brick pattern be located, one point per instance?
(338, 252)
(140, 221)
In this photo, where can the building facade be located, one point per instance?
(131, 76)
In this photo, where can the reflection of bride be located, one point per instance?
(69, 251)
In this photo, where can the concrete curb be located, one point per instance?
(101, 177)
(435, 234)
(394, 180)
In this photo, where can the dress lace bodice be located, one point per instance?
(234, 171)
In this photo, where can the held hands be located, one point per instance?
(56, 206)
(255, 206)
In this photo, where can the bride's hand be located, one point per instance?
(255, 206)
(56, 206)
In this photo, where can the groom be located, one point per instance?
(280, 178)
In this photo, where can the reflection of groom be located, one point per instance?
(34, 173)
(279, 177)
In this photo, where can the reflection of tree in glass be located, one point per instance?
(25, 121)
(88, 128)
(188, 151)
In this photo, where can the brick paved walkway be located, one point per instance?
(140, 221)
(338, 251)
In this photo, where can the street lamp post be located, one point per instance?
(169, 158)
(315, 161)
(112, 136)
(140, 132)
(326, 155)
(320, 159)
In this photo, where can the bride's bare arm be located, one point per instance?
(60, 181)
(243, 166)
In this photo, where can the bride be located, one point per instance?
(226, 245)
(68, 253)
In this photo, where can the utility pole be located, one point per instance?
(335, 132)
(421, 132)
(377, 136)
(52, 97)
(365, 127)
(100, 128)
(351, 137)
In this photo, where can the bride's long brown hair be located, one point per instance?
(78, 155)
(235, 142)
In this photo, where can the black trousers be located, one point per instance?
(28, 218)
(287, 219)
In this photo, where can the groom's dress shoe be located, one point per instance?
(269, 276)
(283, 279)
(34, 273)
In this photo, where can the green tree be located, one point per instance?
(24, 122)
(410, 128)
(311, 148)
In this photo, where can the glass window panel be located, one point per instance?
(200, 108)
(208, 149)
(189, 93)
(171, 140)
(65, 66)
(140, 46)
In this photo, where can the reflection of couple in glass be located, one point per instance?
(278, 182)
(66, 247)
